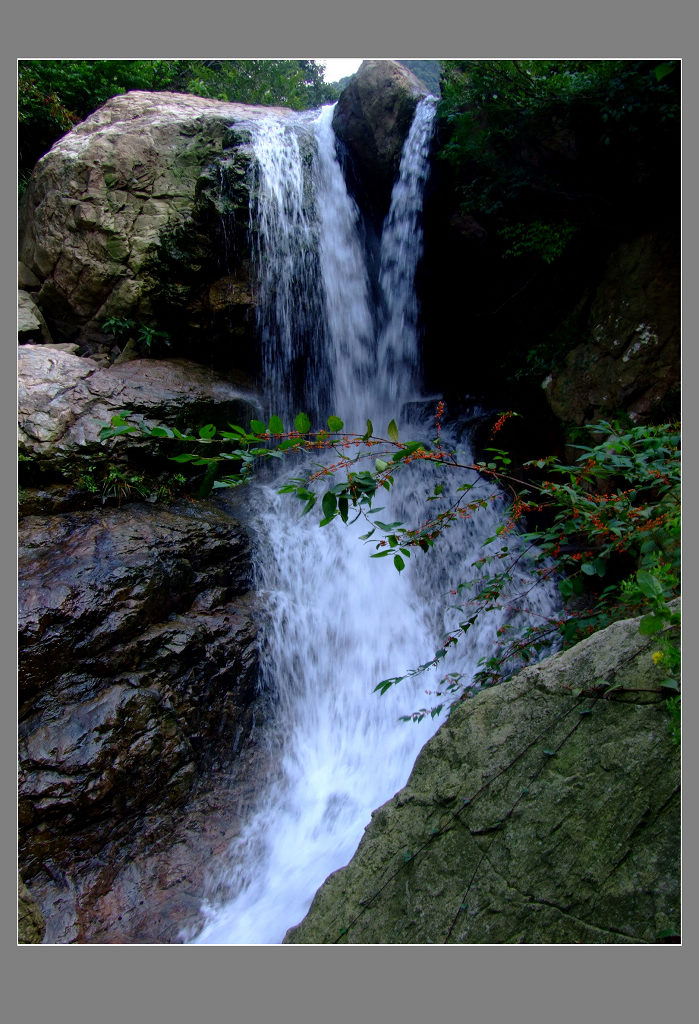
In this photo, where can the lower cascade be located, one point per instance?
(337, 621)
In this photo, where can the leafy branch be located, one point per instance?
(607, 527)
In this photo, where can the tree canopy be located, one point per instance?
(511, 127)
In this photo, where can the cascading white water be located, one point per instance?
(338, 621)
(401, 248)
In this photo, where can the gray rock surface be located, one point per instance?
(535, 815)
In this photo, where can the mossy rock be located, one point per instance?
(31, 927)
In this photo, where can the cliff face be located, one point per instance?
(541, 812)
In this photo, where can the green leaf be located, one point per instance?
(648, 584)
(600, 566)
(650, 624)
(670, 684)
(276, 426)
(399, 563)
(115, 432)
(393, 430)
(185, 457)
(207, 432)
(257, 427)
(386, 684)
(329, 504)
(302, 424)
(335, 424)
(662, 70)
(161, 432)
(589, 569)
(381, 465)
(343, 507)
(369, 430)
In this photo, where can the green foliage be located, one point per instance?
(545, 240)
(298, 84)
(119, 326)
(529, 135)
(121, 485)
(149, 337)
(675, 724)
(111, 482)
(608, 526)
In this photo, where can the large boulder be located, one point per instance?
(542, 811)
(372, 119)
(141, 212)
(630, 359)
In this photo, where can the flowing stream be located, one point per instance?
(339, 621)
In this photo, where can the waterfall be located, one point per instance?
(401, 248)
(337, 621)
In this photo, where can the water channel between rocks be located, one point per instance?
(337, 621)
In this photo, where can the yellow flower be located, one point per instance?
(658, 656)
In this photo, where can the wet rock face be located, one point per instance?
(532, 816)
(137, 212)
(372, 119)
(137, 677)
